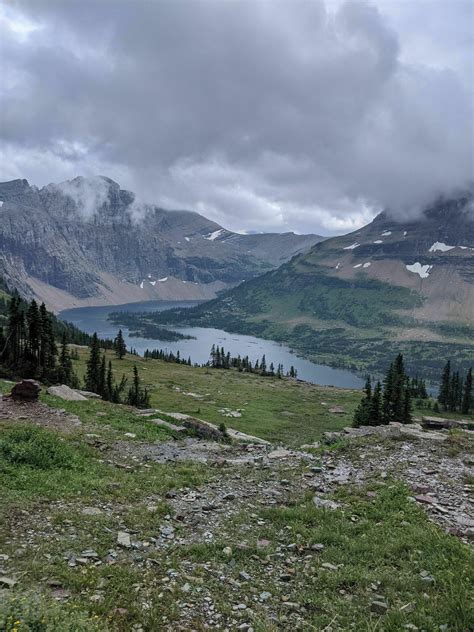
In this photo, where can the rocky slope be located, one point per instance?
(87, 241)
(357, 299)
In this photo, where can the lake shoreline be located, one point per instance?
(92, 319)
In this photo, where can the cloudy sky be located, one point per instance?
(304, 115)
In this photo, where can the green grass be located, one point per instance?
(382, 546)
(47, 479)
(277, 410)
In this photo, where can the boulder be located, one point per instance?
(89, 394)
(66, 393)
(436, 423)
(26, 390)
(168, 425)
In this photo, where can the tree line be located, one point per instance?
(388, 401)
(455, 392)
(391, 399)
(219, 359)
(29, 348)
(100, 377)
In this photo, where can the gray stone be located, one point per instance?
(123, 539)
(379, 607)
(7, 582)
(325, 503)
(66, 393)
(91, 511)
(26, 390)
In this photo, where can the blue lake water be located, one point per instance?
(94, 319)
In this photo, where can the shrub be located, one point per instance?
(36, 447)
(31, 613)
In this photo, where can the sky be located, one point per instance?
(303, 115)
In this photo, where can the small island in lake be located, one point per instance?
(141, 326)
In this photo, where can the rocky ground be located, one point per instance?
(259, 576)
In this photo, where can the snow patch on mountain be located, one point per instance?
(439, 245)
(378, 241)
(423, 271)
(386, 233)
(352, 246)
(215, 234)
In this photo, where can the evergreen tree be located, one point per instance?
(119, 345)
(444, 389)
(362, 414)
(48, 350)
(387, 411)
(101, 387)
(65, 374)
(136, 395)
(467, 394)
(109, 382)
(406, 417)
(34, 324)
(375, 410)
(93, 366)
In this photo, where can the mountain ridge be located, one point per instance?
(86, 241)
(356, 299)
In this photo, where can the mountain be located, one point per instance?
(88, 242)
(356, 300)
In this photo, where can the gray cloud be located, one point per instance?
(272, 115)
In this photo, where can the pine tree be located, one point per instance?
(387, 411)
(119, 345)
(48, 350)
(34, 324)
(362, 413)
(444, 390)
(65, 371)
(467, 394)
(406, 417)
(109, 381)
(93, 366)
(375, 410)
(101, 387)
(136, 395)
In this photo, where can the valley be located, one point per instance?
(352, 301)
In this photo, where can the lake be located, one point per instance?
(94, 319)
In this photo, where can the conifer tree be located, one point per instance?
(362, 413)
(101, 387)
(406, 417)
(444, 389)
(119, 345)
(467, 394)
(48, 350)
(65, 371)
(93, 366)
(109, 381)
(375, 413)
(387, 411)
(34, 324)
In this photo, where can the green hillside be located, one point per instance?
(355, 301)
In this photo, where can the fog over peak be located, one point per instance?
(305, 115)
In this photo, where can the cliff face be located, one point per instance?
(87, 240)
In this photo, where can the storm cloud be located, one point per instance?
(261, 115)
